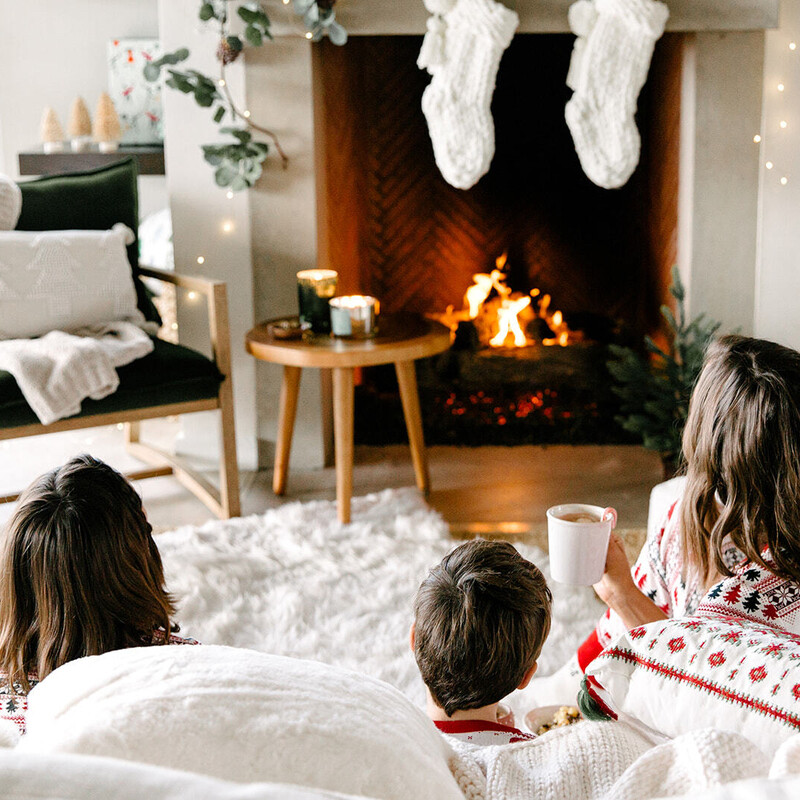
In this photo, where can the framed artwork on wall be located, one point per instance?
(138, 101)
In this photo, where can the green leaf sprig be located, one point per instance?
(238, 163)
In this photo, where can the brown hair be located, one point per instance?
(80, 574)
(481, 618)
(742, 447)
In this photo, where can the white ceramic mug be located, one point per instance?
(578, 537)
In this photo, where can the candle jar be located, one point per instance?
(315, 287)
(354, 316)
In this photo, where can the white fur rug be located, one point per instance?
(294, 581)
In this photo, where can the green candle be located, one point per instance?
(315, 287)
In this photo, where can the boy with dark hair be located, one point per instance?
(480, 620)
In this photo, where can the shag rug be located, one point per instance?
(296, 582)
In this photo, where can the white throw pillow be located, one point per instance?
(243, 716)
(681, 675)
(10, 203)
(64, 280)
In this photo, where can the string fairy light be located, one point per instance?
(201, 260)
(783, 124)
(227, 226)
(229, 194)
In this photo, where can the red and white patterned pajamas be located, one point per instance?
(752, 592)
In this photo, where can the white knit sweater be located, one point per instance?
(606, 761)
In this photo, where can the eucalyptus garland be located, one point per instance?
(238, 162)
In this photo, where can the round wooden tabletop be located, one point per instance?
(400, 337)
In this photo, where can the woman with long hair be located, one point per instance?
(80, 575)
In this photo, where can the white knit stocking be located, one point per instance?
(609, 66)
(457, 102)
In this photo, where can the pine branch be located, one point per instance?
(654, 392)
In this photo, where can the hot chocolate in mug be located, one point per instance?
(578, 537)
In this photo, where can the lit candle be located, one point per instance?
(354, 316)
(314, 288)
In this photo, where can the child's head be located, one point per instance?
(742, 448)
(480, 620)
(80, 573)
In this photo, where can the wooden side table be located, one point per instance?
(401, 340)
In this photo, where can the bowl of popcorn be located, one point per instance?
(545, 718)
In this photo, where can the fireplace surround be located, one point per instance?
(295, 219)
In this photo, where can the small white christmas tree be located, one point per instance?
(79, 126)
(52, 135)
(107, 130)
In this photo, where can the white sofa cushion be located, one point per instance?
(64, 280)
(243, 716)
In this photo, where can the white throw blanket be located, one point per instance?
(607, 761)
(58, 371)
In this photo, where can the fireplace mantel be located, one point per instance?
(408, 17)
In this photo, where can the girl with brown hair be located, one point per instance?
(80, 575)
(731, 543)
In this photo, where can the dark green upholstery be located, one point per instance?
(170, 374)
(93, 200)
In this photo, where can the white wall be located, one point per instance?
(778, 277)
(53, 51)
(48, 59)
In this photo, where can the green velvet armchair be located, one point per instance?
(172, 379)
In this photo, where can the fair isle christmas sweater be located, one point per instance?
(751, 593)
(14, 698)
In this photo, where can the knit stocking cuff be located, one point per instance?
(649, 15)
(490, 16)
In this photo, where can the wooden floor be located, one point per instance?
(477, 490)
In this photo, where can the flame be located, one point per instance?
(509, 322)
(502, 311)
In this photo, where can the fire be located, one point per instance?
(508, 316)
(501, 315)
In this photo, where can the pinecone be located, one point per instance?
(225, 53)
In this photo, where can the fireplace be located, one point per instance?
(569, 266)
(288, 223)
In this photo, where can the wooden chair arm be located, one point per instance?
(194, 283)
(216, 293)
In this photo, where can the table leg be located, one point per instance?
(290, 388)
(343, 438)
(407, 380)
